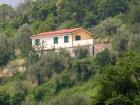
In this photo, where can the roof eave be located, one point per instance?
(38, 36)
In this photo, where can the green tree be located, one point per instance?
(111, 8)
(37, 73)
(33, 57)
(107, 27)
(134, 25)
(134, 14)
(121, 40)
(134, 37)
(68, 24)
(23, 39)
(105, 58)
(76, 11)
(6, 50)
(120, 80)
(7, 13)
(84, 69)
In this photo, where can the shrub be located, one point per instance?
(136, 100)
(84, 69)
(33, 57)
(6, 50)
(108, 27)
(4, 98)
(121, 78)
(38, 73)
(64, 82)
(64, 52)
(105, 57)
(17, 98)
(68, 100)
(66, 58)
(121, 40)
(22, 40)
(19, 93)
(81, 51)
(38, 93)
(134, 14)
(54, 62)
(119, 100)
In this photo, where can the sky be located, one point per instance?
(10, 2)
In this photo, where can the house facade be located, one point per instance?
(68, 38)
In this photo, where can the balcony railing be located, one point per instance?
(83, 42)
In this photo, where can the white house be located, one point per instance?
(68, 38)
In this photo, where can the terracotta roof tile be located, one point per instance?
(57, 32)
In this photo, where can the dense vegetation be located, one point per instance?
(112, 77)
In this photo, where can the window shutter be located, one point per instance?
(66, 39)
(55, 40)
(37, 42)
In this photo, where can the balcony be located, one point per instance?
(83, 42)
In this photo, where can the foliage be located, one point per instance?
(64, 82)
(23, 41)
(136, 100)
(81, 52)
(59, 79)
(121, 40)
(68, 24)
(33, 57)
(6, 50)
(37, 73)
(16, 98)
(105, 58)
(84, 69)
(120, 79)
(134, 14)
(105, 8)
(13, 94)
(4, 98)
(119, 100)
(38, 93)
(107, 27)
(54, 62)
(68, 100)
(134, 43)
(44, 67)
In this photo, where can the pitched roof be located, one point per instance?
(51, 33)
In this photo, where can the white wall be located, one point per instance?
(49, 44)
(48, 41)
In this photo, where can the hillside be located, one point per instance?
(111, 77)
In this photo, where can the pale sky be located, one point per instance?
(10, 2)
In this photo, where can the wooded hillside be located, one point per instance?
(112, 77)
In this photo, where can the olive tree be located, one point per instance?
(23, 40)
(6, 49)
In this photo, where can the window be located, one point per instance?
(37, 42)
(66, 39)
(77, 37)
(55, 40)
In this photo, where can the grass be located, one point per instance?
(88, 89)
(10, 87)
